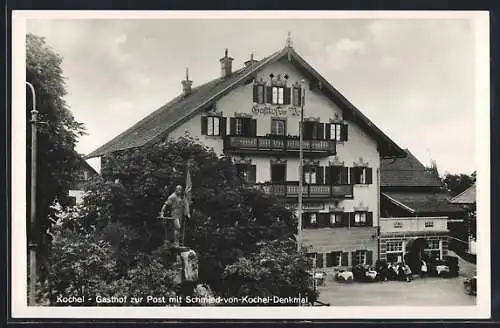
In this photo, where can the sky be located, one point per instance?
(413, 78)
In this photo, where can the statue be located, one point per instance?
(175, 205)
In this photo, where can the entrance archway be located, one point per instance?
(415, 253)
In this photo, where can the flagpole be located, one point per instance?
(301, 168)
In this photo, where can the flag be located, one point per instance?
(189, 187)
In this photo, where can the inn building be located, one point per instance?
(253, 114)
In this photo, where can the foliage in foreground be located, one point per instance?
(232, 226)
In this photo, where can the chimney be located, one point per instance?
(186, 84)
(226, 65)
(250, 62)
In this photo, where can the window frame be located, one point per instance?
(283, 122)
(276, 92)
(361, 214)
(238, 124)
(338, 219)
(211, 125)
(364, 253)
(336, 128)
(429, 224)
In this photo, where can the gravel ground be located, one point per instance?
(426, 291)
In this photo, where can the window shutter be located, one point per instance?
(305, 220)
(253, 127)
(343, 132)
(353, 175)
(324, 219)
(252, 173)
(354, 260)
(344, 222)
(222, 126)
(369, 174)
(369, 257)
(320, 131)
(319, 260)
(344, 175)
(352, 216)
(369, 219)
(330, 259)
(255, 94)
(232, 126)
(345, 259)
(328, 175)
(269, 95)
(287, 96)
(327, 132)
(320, 174)
(204, 123)
(299, 100)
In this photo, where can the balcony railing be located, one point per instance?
(321, 191)
(278, 145)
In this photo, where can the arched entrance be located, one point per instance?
(415, 253)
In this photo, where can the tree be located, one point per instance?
(56, 158)
(229, 220)
(458, 183)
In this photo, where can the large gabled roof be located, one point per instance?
(165, 119)
(407, 172)
(467, 197)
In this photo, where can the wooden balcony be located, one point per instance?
(310, 191)
(278, 145)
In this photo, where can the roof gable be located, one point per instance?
(166, 118)
(407, 172)
(468, 196)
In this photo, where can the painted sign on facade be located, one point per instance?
(265, 109)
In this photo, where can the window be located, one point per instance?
(297, 97)
(337, 175)
(361, 257)
(398, 224)
(394, 251)
(243, 126)
(361, 175)
(213, 126)
(313, 219)
(239, 127)
(258, 94)
(336, 259)
(313, 131)
(429, 224)
(278, 127)
(433, 250)
(335, 219)
(335, 131)
(278, 173)
(310, 175)
(359, 218)
(278, 95)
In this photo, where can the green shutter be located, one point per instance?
(204, 123)
(320, 174)
(345, 175)
(253, 127)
